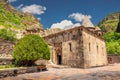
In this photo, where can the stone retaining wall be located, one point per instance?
(114, 58)
(6, 48)
(17, 71)
(6, 61)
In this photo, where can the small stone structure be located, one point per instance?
(113, 58)
(81, 47)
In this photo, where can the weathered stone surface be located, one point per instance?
(31, 69)
(5, 61)
(6, 49)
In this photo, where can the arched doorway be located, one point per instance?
(58, 51)
(59, 59)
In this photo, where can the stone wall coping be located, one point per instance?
(6, 58)
(113, 54)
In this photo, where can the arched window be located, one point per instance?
(79, 32)
(103, 51)
(89, 47)
(97, 48)
(70, 47)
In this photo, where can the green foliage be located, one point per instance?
(112, 42)
(109, 25)
(11, 18)
(7, 35)
(113, 47)
(7, 66)
(29, 49)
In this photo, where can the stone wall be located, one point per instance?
(114, 58)
(5, 61)
(17, 71)
(6, 49)
(68, 44)
(94, 50)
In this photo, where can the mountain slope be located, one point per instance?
(110, 22)
(13, 19)
(112, 38)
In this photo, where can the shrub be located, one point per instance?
(8, 35)
(29, 49)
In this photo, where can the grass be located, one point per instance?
(7, 66)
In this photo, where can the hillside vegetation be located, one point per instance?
(11, 18)
(109, 25)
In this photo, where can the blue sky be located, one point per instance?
(67, 12)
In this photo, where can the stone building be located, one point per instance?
(81, 47)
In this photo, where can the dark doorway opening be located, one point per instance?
(59, 57)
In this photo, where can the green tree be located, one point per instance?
(112, 42)
(29, 49)
(113, 47)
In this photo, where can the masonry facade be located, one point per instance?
(81, 47)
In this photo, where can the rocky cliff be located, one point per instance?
(110, 22)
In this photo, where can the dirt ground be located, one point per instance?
(110, 72)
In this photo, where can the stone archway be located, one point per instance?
(58, 51)
(59, 59)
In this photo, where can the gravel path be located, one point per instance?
(110, 72)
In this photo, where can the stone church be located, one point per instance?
(81, 47)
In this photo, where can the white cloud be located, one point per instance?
(12, 0)
(78, 16)
(65, 24)
(34, 9)
(20, 6)
(39, 18)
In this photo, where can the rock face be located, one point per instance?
(6, 49)
(118, 27)
(110, 22)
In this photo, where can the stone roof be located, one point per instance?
(87, 22)
(97, 28)
(51, 31)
